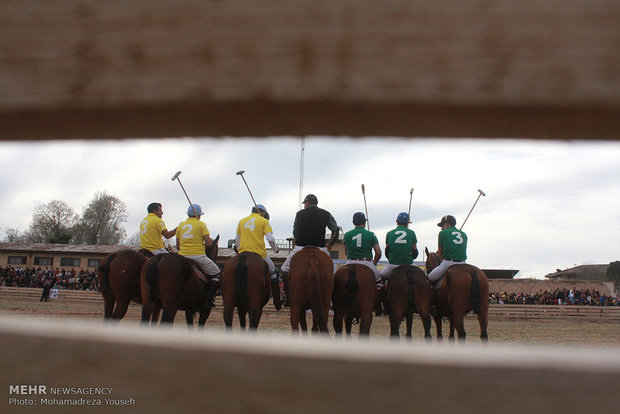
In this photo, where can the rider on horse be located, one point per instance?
(309, 230)
(452, 247)
(192, 239)
(152, 228)
(359, 244)
(400, 245)
(251, 232)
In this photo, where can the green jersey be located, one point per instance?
(400, 243)
(359, 242)
(453, 243)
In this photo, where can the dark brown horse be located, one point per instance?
(465, 288)
(170, 282)
(409, 292)
(246, 285)
(354, 296)
(119, 282)
(311, 282)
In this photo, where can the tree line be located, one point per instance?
(56, 222)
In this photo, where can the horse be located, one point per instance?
(311, 284)
(465, 288)
(354, 296)
(409, 292)
(246, 285)
(119, 282)
(170, 282)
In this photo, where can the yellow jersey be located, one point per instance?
(190, 234)
(150, 232)
(252, 230)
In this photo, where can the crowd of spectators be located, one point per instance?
(557, 297)
(37, 278)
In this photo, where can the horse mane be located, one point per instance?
(241, 280)
(104, 272)
(352, 287)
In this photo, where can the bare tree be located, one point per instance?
(11, 234)
(101, 221)
(53, 222)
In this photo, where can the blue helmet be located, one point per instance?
(403, 218)
(190, 210)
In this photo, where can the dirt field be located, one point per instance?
(524, 331)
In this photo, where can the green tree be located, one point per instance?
(53, 222)
(613, 272)
(101, 221)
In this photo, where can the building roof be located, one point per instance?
(60, 248)
(589, 272)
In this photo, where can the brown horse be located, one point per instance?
(170, 282)
(311, 281)
(465, 288)
(409, 292)
(354, 296)
(246, 285)
(119, 282)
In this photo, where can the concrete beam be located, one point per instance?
(125, 68)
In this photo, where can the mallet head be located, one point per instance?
(240, 172)
(174, 177)
(481, 192)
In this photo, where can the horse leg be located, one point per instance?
(295, 321)
(203, 315)
(365, 322)
(395, 326)
(255, 315)
(458, 325)
(155, 314)
(147, 311)
(168, 314)
(348, 324)
(241, 312)
(189, 318)
(426, 323)
(108, 305)
(483, 320)
(409, 336)
(438, 327)
(338, 320)
(228, 317)
(302, 321)
(121, 309)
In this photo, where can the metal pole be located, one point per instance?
(481, 193)
(365, 206)
(176, 177)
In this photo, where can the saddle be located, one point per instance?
(198, 272)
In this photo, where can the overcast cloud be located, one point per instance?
(549, 204)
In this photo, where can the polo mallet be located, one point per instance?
(248, 187)
(365, 206)
(410, 197)
(176, 177)
(472, 207)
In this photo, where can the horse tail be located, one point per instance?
(352, 288)
(316, 302)
(410, 284)
(241, 281)
(474, 291)
(104, 272)
(152, 277)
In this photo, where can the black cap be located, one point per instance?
(311, 199)
(447, 219)
(359, 218)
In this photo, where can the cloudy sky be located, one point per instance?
(549, 204)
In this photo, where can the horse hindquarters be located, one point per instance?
(319, 314)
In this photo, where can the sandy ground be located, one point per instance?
(523, 331)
